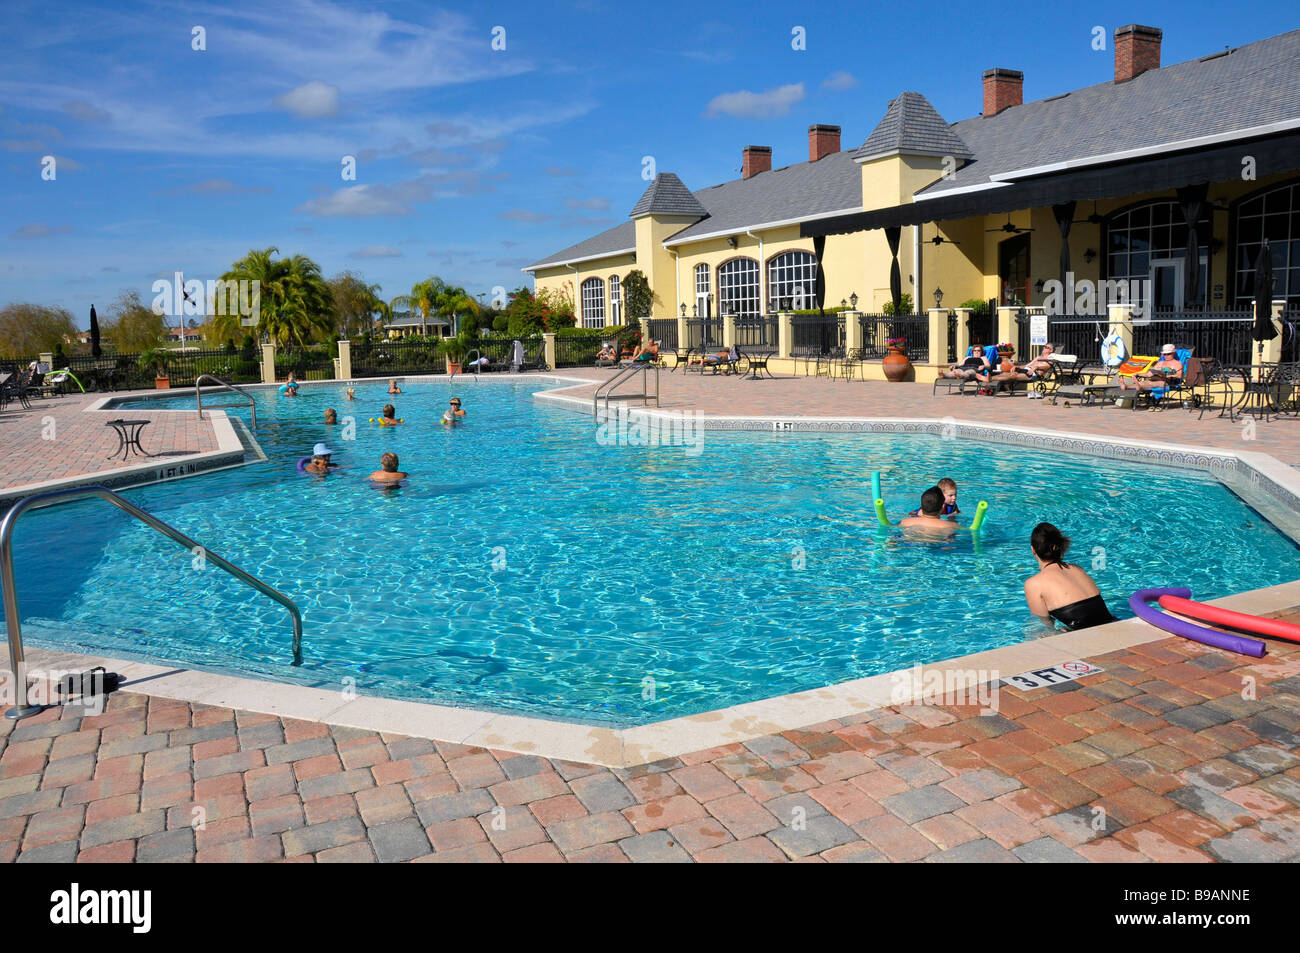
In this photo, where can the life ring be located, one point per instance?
(1116, 341)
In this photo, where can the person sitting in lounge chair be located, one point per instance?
(1024, 373)
(1166, 372)
(606, 356)
(965, 371)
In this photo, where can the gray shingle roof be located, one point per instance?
(914, 127)
(831, 184)
(667, 196)
(1255, 84)
(620, 238)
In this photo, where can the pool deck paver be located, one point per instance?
(1070, 773)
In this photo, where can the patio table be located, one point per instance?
(128, 437)
(757, 361)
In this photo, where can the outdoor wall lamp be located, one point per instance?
(695, 311)
(853, 300)
(683, 309)
(731, 240)
(1038, 285)
(844, 304)
(1089, 256)
(938, 297)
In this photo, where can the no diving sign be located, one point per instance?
(1052, 675)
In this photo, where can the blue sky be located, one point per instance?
(471, 162)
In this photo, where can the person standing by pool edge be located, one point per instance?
(1060, 591)
(388, 472)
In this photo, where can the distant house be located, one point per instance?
(403, 324)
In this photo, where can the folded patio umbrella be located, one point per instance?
(95, 349)
(1263, 329)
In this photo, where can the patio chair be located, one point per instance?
(14, 387)
(534, 360)
(1161, 396)
(606, 361)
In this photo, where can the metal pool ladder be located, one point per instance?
(22, 710)
(198, 395)
(477, 368)
(604, 391)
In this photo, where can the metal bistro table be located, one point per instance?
(757, 365)
(128, 437)
(1262, 390)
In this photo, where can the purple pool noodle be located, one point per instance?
(1163, 620)
(302, 463)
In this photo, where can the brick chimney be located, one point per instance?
(1137, 49)
(822, 141)
(756, 159)
(1003, 88)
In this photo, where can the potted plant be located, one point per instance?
(453, 349)
(896, 363)
(157, 358)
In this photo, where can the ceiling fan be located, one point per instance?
(1009, 228)
(1094, 218)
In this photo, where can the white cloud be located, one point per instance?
(593, 204)
(376, 251)
(523, 215)
(840, 79)
(765, 105)
(314, 100)
(81, 110)
(394, 198)
(39, 230)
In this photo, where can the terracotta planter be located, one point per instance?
(162, 383)
(896, 365)
(453, 367)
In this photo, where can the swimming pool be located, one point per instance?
(528, 568)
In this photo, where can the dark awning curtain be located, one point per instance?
(1192, 199)
(1221, 164)
(819, 250)
(1064, 214)
(892, 235)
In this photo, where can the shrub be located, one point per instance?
(905, 300)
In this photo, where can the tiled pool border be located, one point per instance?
(629, 747)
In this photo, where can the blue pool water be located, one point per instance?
(527, 568)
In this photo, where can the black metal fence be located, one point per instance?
(663, 330)
(703, 332)
(816, 333)
(1222, 335)
(757, 331)
(580, 347)
(125, 372)
(914, 329)
(396, 358)
(1291, 335)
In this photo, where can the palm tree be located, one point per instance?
(294, 304)
(454, 301)
(423, 300)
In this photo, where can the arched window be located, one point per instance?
(702, 289)
(1148, 242)
(593, 303)
(615, 305)
(1273, 214)
(792, 280)
(738, 288)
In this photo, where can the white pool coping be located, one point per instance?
(642, 744)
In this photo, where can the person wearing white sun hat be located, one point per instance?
(1166, 372)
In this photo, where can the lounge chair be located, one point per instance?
(971, 363)
(1103, 383)
(534, 360)
(1159, 397)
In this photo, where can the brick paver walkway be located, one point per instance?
(1159, 758)
(820, 397)
(57, 439)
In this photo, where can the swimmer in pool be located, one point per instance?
(388, 472)
(454, 414)
(931, 520)
(320, 460)
(392, 386)
(331, 416)
(352, 393)
(388, 416)
(290, 387)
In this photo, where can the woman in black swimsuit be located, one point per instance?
(1062, 591)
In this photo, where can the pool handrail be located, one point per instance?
(54, 497)
(477, 368)
(608, 387)
(198, 395)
